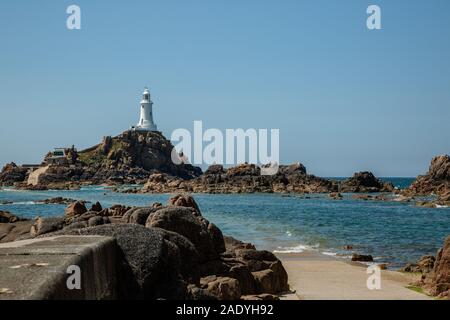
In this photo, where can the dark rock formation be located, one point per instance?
(11, 174)
(437, 282)
(362, 257)
(365, 182)
(205, 236)
(149, 268)
(244, 178)
(131, 157)
(46, 225)
(437, 179)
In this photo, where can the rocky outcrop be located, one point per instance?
(424, 265)
(244, 178)
(173, 252)
(436, 181)
(75, 209)
(365, 182)
(205, 236)
(11, 173)
(128, 158)
(437, 282)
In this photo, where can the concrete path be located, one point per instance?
(317, 277)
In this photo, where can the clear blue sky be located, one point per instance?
(344, 98)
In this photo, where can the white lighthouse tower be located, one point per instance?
(146, 119)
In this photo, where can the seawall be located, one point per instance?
(39, 269)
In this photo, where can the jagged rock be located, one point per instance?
(215, 169)
(437, 179)
(438, 280)
(223, 288)
(11, 174)
(75, 209)
(183, 200)
(365, 182)
(97, 221)
(46, 225)
(189, 223)
(189, 267)
(362, 257)
(96, 207)
(243, 170)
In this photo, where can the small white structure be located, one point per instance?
(146, 119)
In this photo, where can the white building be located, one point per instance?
(146, 119)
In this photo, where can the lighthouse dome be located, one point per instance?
(146, 94)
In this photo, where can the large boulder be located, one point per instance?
(75, 209)
(46, 225)
(184, 200)
(189, 267)
(362, 257)
(437, 179)
(365, 182)
(149, 265)
(206, 237)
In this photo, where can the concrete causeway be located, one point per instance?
(38, 269)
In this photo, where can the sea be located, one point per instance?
(395, 233)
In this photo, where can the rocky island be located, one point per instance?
(140, 157)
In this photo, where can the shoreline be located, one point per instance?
(314, 276)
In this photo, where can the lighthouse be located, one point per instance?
(146, 119)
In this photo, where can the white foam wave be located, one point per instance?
(296, 249)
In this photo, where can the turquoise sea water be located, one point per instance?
(392, 232)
